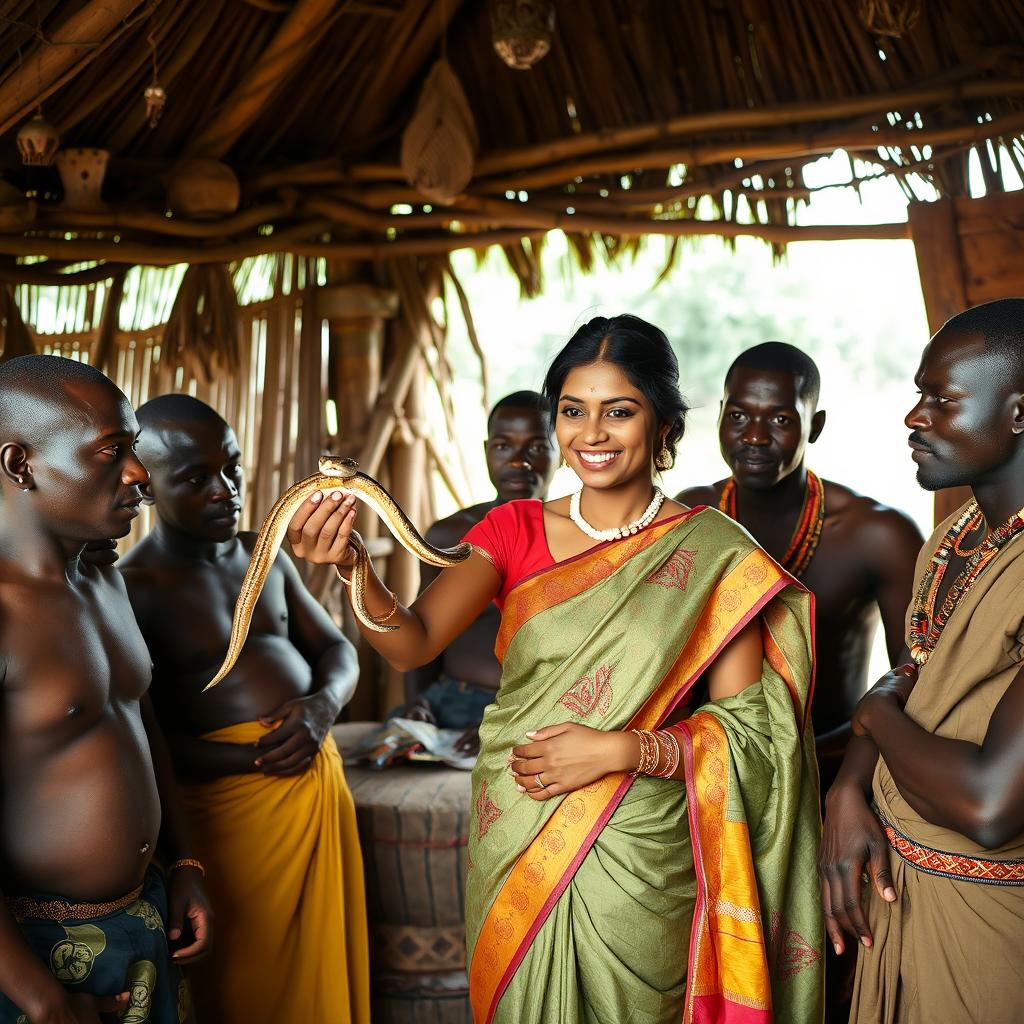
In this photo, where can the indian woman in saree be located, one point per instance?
(645, 800)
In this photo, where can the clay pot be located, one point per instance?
(201, 188)
(81, 173)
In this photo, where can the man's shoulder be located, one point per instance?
(702, 494)
(144, 555)
(453, 528)
(141, 566)
(861, 514)
(247, 539)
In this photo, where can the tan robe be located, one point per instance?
(951, 951)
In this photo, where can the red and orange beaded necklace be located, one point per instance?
(926, 621)
(808, 527)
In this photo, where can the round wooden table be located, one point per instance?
(413, 828)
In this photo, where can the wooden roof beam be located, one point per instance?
(779, 115)
(295, 240)
(283, 56)
(59, 54)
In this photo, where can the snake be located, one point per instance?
(335, 473)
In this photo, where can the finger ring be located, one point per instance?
(540, 783)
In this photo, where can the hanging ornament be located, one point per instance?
(439, 143)
(202, 188)
(156, 97)
(38, 141)
(155, 94)
(889, 17)
(81, 173)
(521, 30)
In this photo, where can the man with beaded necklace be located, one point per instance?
(929, 801)
(854, 554)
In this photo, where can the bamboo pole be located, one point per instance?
(299, 31)
(768, 148)
(758, 117)
(344, 212)
(314, 172)
(703, 154)
(36, 273)
(157, 255)
(72, 45)
(55, 219)
(442, 471)
(408, 464)
(83, 249)
(394, 388)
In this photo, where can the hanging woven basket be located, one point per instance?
(889, 17)
(440, 141)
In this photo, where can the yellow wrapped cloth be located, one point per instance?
(285, 877)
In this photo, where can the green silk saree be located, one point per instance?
(651, 900)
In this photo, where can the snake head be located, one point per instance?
(338, 465)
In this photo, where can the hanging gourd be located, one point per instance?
(440, 141)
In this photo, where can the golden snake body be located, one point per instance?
(335, 474)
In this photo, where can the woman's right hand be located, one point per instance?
(852, 843)
(320, 529)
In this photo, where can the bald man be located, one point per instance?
(84, 919)
(264, 786)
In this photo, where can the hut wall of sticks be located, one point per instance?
(255, 199)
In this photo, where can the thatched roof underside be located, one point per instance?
(641, 108)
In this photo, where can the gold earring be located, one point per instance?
(663, 460)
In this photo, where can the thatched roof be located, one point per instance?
(640, 108)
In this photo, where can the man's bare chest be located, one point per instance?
(189, 614)
(68, 656)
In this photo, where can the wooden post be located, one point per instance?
(409, 479)
(933, 227)
(356, 313)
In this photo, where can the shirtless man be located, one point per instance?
(265, 778)
(83, 917)
(863, 564)
(860, 567)
(454, 689)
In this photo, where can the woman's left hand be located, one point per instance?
(563, 758)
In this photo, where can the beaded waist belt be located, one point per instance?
(958, 866)
(28, 908)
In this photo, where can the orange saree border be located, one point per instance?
(728, 980)
(545, 869)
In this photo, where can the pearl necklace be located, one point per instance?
(616, 532)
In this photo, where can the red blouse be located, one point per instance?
(512, 536)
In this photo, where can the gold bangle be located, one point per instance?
(649, 755)
(188, 862)
(671, 746)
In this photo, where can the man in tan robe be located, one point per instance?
(931, 877)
